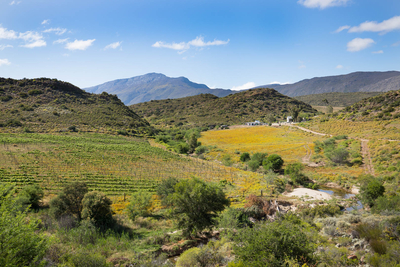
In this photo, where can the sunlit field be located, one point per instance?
(111, 164)
(290, 143)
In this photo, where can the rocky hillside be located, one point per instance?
(382, 107)
(49, 105)
(206, 109)
(154, 86)
(336, 99)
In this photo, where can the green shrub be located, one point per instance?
(259, 157)
(233, 218)
(69, 201)
(96, 207)
(227, 160)
(86, 259)
(244, 157)
(196, 204)
(201, 150)
(271, 244)
(35, 92)
(166, 188)
(386, 203)
(253, 165)
(20, 243)
(338, 155)
(273, 162)
(33, 195)
(370, 190)
(139, 205)
(322, 211)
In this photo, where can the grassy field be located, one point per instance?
(292, 144)
(111, 164)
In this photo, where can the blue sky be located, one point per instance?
(223, 44)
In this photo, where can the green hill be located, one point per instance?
(336, 99)
(204, 110)
(382, 107)
(49, 105)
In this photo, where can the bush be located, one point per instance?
(201, 150)
(96, 207)
(166, 188)
(244, 157)
(32, 194)
(139, 205)
(386, 203)
(322, 211)
(272, 244)
(69, 201)
(370, 190)
(259, 157)
(233, 218)
(338, 155)
(196, 204)
(20, 244)
(273, 162)
(253, 165)
(86, 259)
(226, 160)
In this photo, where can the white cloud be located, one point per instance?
(79, 44)
(33, 39)
(46, 21)
(378, 52)
(2, 47)
(4, 62)
(61, 41)
(359, 44)
(182, 46)
(396, 44)
(175, 46)
(199, 42)
(15, 3)
(339, 67)
(58, 31)
(322, 4)
(342, 28)
(373, 26)
(244, 86)
(113, 45)
(6, 34)
(280, 83)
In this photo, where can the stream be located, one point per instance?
(340, 193)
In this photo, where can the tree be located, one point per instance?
(370, 190)
(244, 157)
(338, 155)
(196, 204)
(32, 195)
(96, 207)
(139, 205)
(69, 201)
(166, 188)
(273, 162)
(20, 244)
(294, 111)
(192, 142)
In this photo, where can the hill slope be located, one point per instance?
(154, 86)
(207, 109)
(336, 99)
(45, 105)
(385, 106)
(353, 82)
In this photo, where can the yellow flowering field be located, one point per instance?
(290, 143)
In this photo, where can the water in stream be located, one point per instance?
(340, 193)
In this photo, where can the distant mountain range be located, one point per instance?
(353, 82)
(156, 86)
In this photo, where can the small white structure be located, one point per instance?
(289, 119)
(253, 123)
